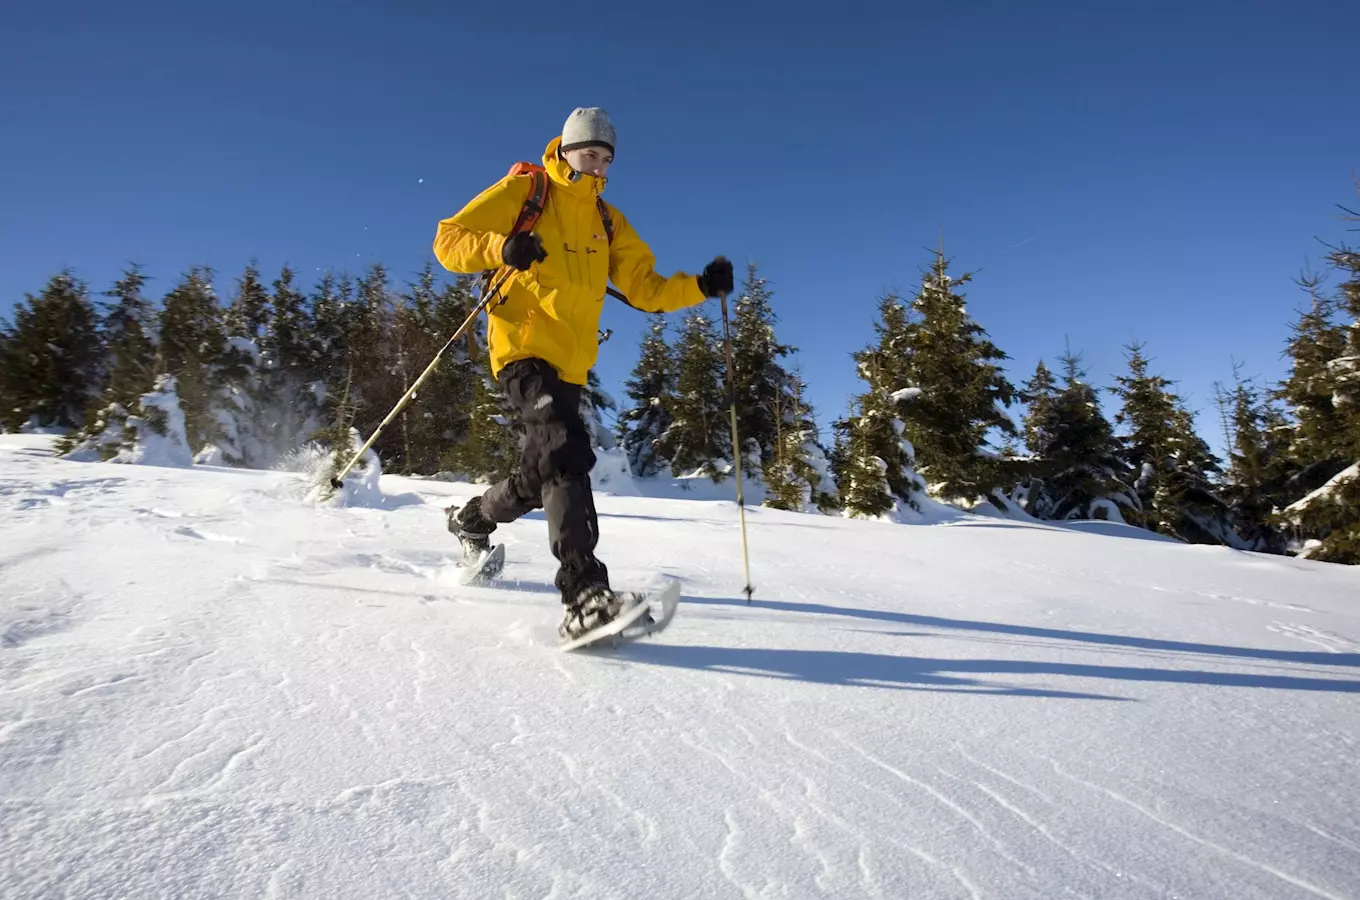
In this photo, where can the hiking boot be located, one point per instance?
(592, 607)
(472, 529)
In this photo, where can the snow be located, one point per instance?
(907, 393)
(1325, 492)
(163, 444)
(212, 688)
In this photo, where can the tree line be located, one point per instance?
(937, 417)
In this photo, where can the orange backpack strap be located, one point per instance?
(537, 199)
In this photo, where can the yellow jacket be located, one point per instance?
(552, 311)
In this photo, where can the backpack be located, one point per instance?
(538, 199)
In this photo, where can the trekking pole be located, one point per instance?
(736, 446)
(487, 296)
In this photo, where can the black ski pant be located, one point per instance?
(554, 472)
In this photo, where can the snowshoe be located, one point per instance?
(592, 607)
(471, 528)
(632, 621)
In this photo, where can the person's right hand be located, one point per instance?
(522, 250)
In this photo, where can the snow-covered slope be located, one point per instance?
(211, 689)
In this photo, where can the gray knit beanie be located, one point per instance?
(588, 127)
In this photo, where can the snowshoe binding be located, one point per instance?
(471, 528)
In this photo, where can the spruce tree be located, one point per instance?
(129, 333)
(1039, 395)
(190, 349)
(11, 402)
(489, 450)
(700, 434)
(128, 329)
(876, 428)
(244, 399)
(1172, 465)
(374, 358)
(416, 342)
(651, 395)
(1309, 393)
(873, 461)
(287, 344)
(249, 310)
(437, 416)
(1257, 443)
(328, 324)
(1328, 518)
(595, 402)
(338, 438)
(760, 382)
(951, 392)
(1076, 456)
(453, 384)
(54, 364)
(797, 476)
(289, 394)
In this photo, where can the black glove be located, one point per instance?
(522, 250)
(717, 277)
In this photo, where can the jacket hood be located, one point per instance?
(567, 178)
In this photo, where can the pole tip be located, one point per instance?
(749, 591)
(337, 483)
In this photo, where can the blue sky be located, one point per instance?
(1158, 171)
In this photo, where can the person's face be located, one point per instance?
(589, 160)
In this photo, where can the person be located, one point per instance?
(542, 340)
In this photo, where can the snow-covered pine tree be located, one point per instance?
(489, 449)
(1256, 437)
(287, 343)
(955, 393)
(437, 417)
(651, 392)
(289, 402)
(1076, 456)
(1205, 517)
(373, 355)
(455, 381)
(861, 478)
(128, 331)
(54, 365)
(10, 398)
(798, 475)
(1329, 517)
(1172, 464)
(873, 462)
(877, 428)
(417, 341)
(761, 383)
(338, 437)
(249, 310)
(153, 434)
(699, 439)
(328, 323)
(190, 349)
(244, 399)
(595, 401)
(1039, 395)
(1309, 392)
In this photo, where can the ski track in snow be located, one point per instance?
(208, 688)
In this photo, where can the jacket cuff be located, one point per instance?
(496, 252)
